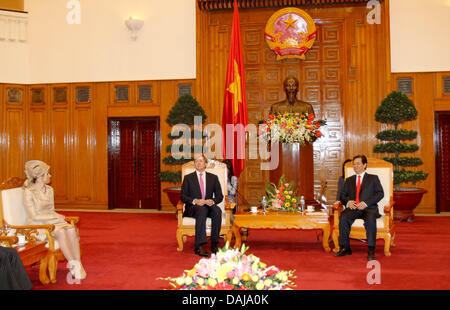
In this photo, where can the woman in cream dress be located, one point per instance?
(38, 200)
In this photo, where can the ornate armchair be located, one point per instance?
(385, 224)
(13, 213)
(186, 225)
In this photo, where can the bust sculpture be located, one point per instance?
(291, 103)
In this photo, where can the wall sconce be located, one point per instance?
(134, 25)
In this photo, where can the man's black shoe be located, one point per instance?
(200, 251)
(343, 252)
(214, 248)
(371, 254)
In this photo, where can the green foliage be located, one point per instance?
(194, 133)
(170, 176)
(404, 161)
(396, 135)
(184, 110)
(396, 108)
(403, 176)
(393, 147)
(170, 160)
(194, 148)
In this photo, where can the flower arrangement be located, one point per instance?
(232, 269)
(291, 128)
(282, 197)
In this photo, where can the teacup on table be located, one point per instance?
(254, 209)
(310, 208)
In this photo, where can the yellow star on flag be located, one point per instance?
(235, 88)
(290, 22)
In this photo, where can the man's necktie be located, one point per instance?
(202, 186)
(358, 188)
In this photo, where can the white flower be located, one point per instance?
(260, 285)
(180, 281)
(188, 280)
(200, 281)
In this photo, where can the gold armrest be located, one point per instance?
(387, 208)
(9, 240)
(229, 206)
(49, 227)
(30, 232)
(180, 206)
(72, 219)
(337, 206)
(337, 210)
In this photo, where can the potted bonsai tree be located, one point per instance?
(183, 112)
(395, 109)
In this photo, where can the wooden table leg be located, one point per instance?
(43, 271)
(237, 235)
(326, 236)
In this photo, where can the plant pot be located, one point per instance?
(174, 194)
(406, 200)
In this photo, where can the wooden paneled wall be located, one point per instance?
(428, 97)
(345, 76)
(49, 122)
(345, 73)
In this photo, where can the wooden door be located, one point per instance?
(442, 145)
(133, 163)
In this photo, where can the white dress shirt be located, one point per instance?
(356, 184)
(204, 181)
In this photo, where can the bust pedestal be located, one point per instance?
(296, 163)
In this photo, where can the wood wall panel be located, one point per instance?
(60, 146)
(38, 124)
(428, 96)
(15, 125)
(83, 152)
(71, 136)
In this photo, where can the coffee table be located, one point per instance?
(282, 220)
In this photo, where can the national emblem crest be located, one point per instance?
(290, 33)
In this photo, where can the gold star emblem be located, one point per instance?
(290, 22)
(235, 88)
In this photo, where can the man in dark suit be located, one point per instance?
(201, 193)
(360, 195)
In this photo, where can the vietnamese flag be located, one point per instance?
(234, 117)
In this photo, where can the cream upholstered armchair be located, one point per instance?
(186, 225)
(13, 213)
(385, 224)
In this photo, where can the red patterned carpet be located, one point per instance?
(123, 251)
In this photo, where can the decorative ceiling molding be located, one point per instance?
(211, 5)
